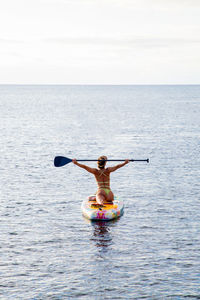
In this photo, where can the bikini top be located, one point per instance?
(106, 184)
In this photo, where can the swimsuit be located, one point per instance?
(106, 190)
(106, 187)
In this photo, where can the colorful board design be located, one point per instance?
(106, 213)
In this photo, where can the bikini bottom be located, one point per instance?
(107, 191)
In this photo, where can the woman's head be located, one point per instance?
(102, 161)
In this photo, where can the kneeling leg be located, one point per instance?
(100, 199)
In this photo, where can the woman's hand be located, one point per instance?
(74, 161)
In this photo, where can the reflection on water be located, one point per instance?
(102, 234)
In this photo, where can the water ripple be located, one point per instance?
(48, 250)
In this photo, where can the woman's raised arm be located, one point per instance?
(90, 170)
(112, 169)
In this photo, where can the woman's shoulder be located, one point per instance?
(96, 171)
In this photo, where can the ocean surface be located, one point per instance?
(47, 249)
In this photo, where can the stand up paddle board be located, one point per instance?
(92, 211)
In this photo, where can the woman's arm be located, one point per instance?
(112, 169)
(90, 170)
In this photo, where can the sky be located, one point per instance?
(99, 41)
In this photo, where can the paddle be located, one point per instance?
(60, 161)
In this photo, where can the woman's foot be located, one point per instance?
(92, 198)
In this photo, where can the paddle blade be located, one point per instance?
(60, 161)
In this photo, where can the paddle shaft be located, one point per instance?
(147, 160)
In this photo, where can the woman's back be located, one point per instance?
(103, 178)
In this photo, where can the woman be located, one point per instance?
(102, 175)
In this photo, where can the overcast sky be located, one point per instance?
(100, 41)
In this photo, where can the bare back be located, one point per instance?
(103, 178)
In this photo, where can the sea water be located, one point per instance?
(47, 249)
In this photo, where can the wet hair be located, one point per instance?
(101, 162)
